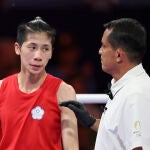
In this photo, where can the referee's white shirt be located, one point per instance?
(126, 122)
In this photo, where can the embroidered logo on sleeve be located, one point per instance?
(37, 113)
(137, 128)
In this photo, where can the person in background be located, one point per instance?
(10, 65)
(30, 117)
(124, 124)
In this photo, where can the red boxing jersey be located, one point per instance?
(30, 121)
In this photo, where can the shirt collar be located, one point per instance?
(134, 72)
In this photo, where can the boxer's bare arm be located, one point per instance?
(0, 82)
(68, 118)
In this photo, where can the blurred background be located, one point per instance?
(79, 26)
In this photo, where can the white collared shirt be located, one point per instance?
(126, 122)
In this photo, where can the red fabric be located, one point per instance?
(21, 130)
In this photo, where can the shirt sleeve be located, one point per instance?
(134, 121)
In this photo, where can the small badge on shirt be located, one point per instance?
(37, 113)
(137, 128)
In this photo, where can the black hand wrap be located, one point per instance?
(82, 114)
